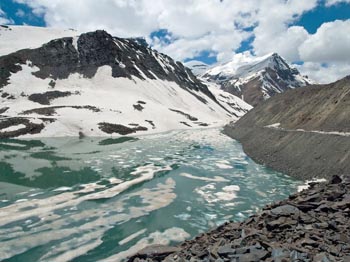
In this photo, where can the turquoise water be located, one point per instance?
(65, 199)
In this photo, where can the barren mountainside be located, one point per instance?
(303, 132)
(314, 108)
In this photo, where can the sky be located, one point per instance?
(312, 34)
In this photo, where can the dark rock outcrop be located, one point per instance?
(309, 226)
(45, 98)
(127, 57)
(189, 117)
(120, 129)
(51, 110)
(28, 127)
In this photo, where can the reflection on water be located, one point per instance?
(65, 199)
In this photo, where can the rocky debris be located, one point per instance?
(119, 140)
(7, 96)
(202, 124)
(45, 98)
(50, 111)
(155, 251)
(151, 123)
(81, 135)
(185, 123)
(189, 117)
(310, 226)
(52, 83)
(138, 107)
(30, 128)
(120, 129)
(4, 109)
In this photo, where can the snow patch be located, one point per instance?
(15, 38)
(13, 128)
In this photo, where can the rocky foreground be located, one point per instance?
(313, 225)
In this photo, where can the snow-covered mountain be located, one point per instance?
(197, 67)
(97, 85)
(14, 38)
(257, 78)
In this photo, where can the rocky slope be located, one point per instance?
(303, 132)
(256, 79)
(97, 85)
(311, 226)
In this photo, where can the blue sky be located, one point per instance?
(207, 30)
(313, 19)
(21, 13)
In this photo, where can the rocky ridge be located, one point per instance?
(62, 57)
(257, 79)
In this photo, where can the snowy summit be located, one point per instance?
(98, 85)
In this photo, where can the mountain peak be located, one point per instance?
(96, 84)
(256, 78)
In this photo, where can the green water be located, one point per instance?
(65, 199)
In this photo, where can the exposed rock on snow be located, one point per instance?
(256, 79)
(80, 82)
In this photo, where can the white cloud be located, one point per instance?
(193, 23)
(285, 43)
(220, 43)
(331, 43)
(214, 26)
(20, 13)
(334, 2)
(325, 73)
(273, 33)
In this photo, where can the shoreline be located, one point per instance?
(301, 155)
(136, 135)
(311, 225)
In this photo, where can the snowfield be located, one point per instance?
(103, 104)
(104, 99)
(14, 38)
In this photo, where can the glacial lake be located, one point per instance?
(102, 199)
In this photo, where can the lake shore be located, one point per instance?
(312, 225)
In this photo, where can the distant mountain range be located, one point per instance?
(95, 84)
(255, 79)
